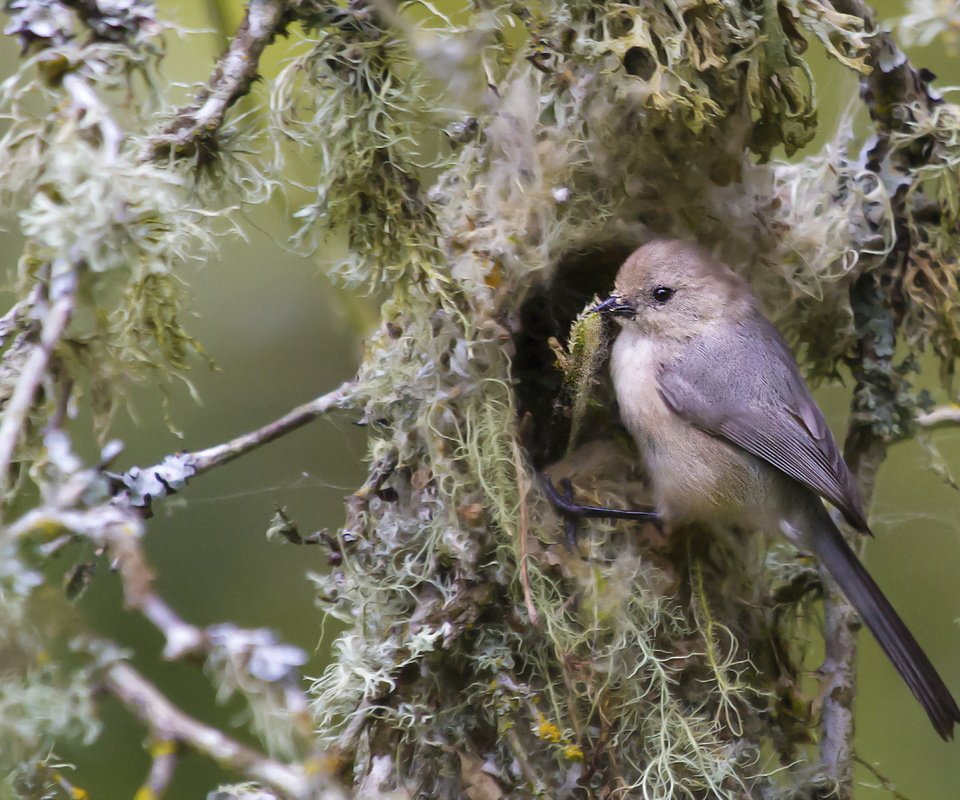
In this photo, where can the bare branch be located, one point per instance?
(194, 126)
(68, 788)
(204, 460)
(168, 723)
(942, 417)
(885, 782)
(181, 637)
(143, 485)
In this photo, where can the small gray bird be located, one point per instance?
(730, 434)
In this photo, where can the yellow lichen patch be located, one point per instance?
(548, 731)
(572, 752)
(163, 747)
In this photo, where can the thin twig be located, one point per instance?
(120, 530)
(194, 127)
(167, 722)
(885, 782)
(137, 578)
(68, 788)
(523, 485)
(529, 773)
(144, 485)
(164, 754)
(942, 417)
(204, 460)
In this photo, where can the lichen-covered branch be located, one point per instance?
(898, 97)
(250, 662)
(271, 685)
(193, 131)
(33, 371)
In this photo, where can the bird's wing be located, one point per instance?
(747, 389)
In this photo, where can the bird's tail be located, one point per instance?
(885, 624)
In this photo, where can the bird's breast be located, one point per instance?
(694, 476)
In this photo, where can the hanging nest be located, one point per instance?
(479, 647)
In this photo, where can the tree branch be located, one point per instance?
(120, 530)
(204, 460)
(942, 417)
(137, 578)
(143, 485)
(164, 754)
(168, 723)
(194, 127)
(885, 782)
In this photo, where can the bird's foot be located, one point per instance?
(562, 499)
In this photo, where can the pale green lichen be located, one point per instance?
(85, 201)
(346, 85)
(929, 21)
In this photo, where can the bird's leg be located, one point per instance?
(568, 507)
(573, 512)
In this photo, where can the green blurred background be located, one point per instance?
(280, 334)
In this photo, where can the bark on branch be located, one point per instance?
(168, 723)
(942, 417)
(193, 130)
(146, 484)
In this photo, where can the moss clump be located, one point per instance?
(581, 366)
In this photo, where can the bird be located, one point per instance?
(729, 433)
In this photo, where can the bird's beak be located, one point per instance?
(614, 306)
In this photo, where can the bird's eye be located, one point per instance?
(662, 293)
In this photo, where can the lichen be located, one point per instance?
(85, 201)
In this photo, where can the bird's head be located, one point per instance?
(672, 289)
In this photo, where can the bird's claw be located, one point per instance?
(572, 511)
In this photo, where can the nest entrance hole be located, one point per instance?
(548, 312)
